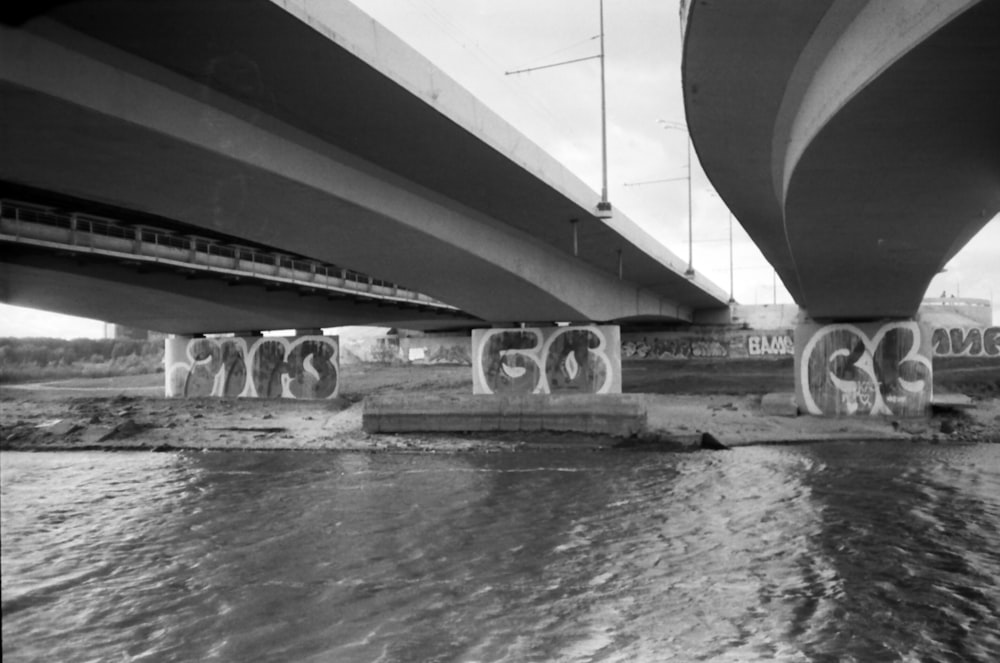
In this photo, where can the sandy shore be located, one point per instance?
(130, 413)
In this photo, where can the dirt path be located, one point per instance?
(683, 401)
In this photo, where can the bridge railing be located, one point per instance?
(87, 233)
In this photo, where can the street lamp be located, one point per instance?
(604, 206)
(732, 298)
(680, 127)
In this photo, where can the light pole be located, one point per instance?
(690, 269)
(732, 297)
(680, 127)
(604, 206)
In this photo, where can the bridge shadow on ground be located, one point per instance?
(972, 376)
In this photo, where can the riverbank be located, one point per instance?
(683, 402)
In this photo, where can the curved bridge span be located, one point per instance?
(858, 142)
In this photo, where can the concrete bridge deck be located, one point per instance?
(80, 246)
(857, 142)
(309, 129)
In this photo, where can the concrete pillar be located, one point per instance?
(253, 366)
(864, 369)
(547, 360)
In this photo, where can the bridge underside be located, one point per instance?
(191, 302)
(242, 119)
(857, 142)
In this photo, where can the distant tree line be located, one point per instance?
(49, 358)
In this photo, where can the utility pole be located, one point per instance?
(603, 207)
(680, 127)
(690, 270)
(732, 297)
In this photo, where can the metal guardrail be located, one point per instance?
(957, 302)
(85, 233)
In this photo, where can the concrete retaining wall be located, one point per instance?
(692, 343)
(967, 342)
(977, 312)
(620, 415)
(765, 316)
(708, 342)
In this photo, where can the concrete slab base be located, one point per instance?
(619, 415)
(779, 404)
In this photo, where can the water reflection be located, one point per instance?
(812, 553)
(912, 533)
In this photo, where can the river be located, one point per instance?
(822, 552)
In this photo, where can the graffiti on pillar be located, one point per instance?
(876, 369)
(306, 367)
(210, 367)
(765, 344)
(966, 342)
(546, 360)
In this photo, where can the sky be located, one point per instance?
(476, 41)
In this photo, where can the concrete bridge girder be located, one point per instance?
(169, 302)
(852, 45)
(857, 141)
(99, 123)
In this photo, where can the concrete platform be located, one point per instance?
(620, 415)
(779, 404)
(952, 402)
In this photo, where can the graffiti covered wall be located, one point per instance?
(306, 367)
(776, 344)
(967, 342)
(709, 344)
(864, 369)
(547, 360)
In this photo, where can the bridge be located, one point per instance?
(858, 143)
(307, 131)
(255, 287)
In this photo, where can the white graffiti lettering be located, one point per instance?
(966, 342)
(844, 371)
(306, 367)
(770, 345)
(546, 360)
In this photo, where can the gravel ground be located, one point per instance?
(684, 400)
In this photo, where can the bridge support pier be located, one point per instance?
(547, 360)
(864, 369)
(304, 367)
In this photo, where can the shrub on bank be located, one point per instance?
(34, 359)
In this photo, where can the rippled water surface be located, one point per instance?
(826, 552)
